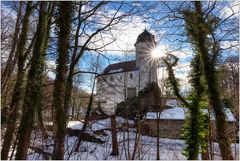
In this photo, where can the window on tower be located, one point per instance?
(131, 75)
(100, 79)
(111, 78)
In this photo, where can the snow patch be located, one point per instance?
(176, 113)
(229, 114)
(227, 111)
(99, 124)
(179, 113)
(75, 125)
(172, 103)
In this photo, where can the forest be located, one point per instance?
(120, 80)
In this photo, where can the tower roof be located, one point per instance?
(145, 36)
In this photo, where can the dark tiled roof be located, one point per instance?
(145, 36)
(120, 67)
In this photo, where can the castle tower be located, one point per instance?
(147, 67)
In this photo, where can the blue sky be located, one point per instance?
(170, 35)
(155, 16)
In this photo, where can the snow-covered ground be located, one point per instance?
(179, 113)
(98, 125)
(170, 149)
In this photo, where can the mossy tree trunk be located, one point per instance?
(194, 126)
(194, 143)
(33, 92)
(19, 85)
(60, 113)
(198, 29)
(158, 102)
(50, 12)
(213, 90)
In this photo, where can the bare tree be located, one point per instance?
(83, 18)
(60, 112)
(12, 58)
(19, 86)
(33, 93)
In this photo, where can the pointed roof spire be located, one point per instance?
(145, 36)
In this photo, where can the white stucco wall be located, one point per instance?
(146, 63)
(111, 92)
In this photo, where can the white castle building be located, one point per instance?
(123, 80)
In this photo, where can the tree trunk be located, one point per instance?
(205, 150)
(158, 135)
(33, 92)
(6, 73)
(138, 134)
(193, 123)
(73, 104)
(60, 113)
(69, 85)
(114, 135)
(158, 102)
(210, 140)
(89, 109)
(195, 115)
(18, 88)
(40, 121)
(213, 91)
